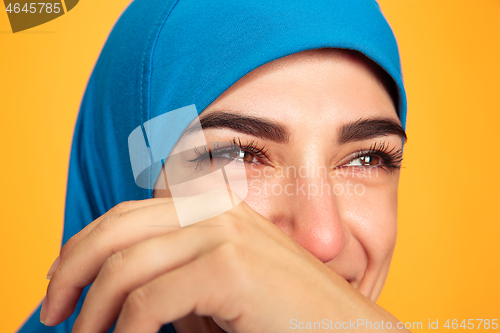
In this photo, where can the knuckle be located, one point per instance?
(137, 301)
(233, 224)
(229, 255)
(123, 206)
(231, 260)
(114, 264)
(106, 225)
(225, 219)
(228, 251)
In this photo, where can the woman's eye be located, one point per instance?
(241, 155)
(368, 160)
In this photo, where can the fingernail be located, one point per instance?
(53, 268)
(43, 311)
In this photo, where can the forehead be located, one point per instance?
(323, 86)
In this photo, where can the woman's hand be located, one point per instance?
(237, 267)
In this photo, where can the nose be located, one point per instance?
(309, 214)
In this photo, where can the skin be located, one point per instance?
(273, 257)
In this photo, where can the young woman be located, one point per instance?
(307, 100)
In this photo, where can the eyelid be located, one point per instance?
(349, 158)
(392, 156)
(252, 147)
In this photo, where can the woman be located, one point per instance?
(307, 100)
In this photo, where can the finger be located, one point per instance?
(126, 206)
(111, 235)
(135, 266)
(82, 264)
(204, 287)
(121, 208)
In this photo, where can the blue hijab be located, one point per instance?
(163, 55)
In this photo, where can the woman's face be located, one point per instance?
(321, 142)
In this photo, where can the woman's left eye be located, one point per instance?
(367, 160)
(379, 155)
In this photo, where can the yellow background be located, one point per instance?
(447, 260)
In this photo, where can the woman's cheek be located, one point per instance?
(370, 213)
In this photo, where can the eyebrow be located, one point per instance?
(362, 129)
(261, 128)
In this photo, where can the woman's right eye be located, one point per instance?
(236, 154)
(219, 154)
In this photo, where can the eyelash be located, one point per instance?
(262, 154)
(391, 157)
